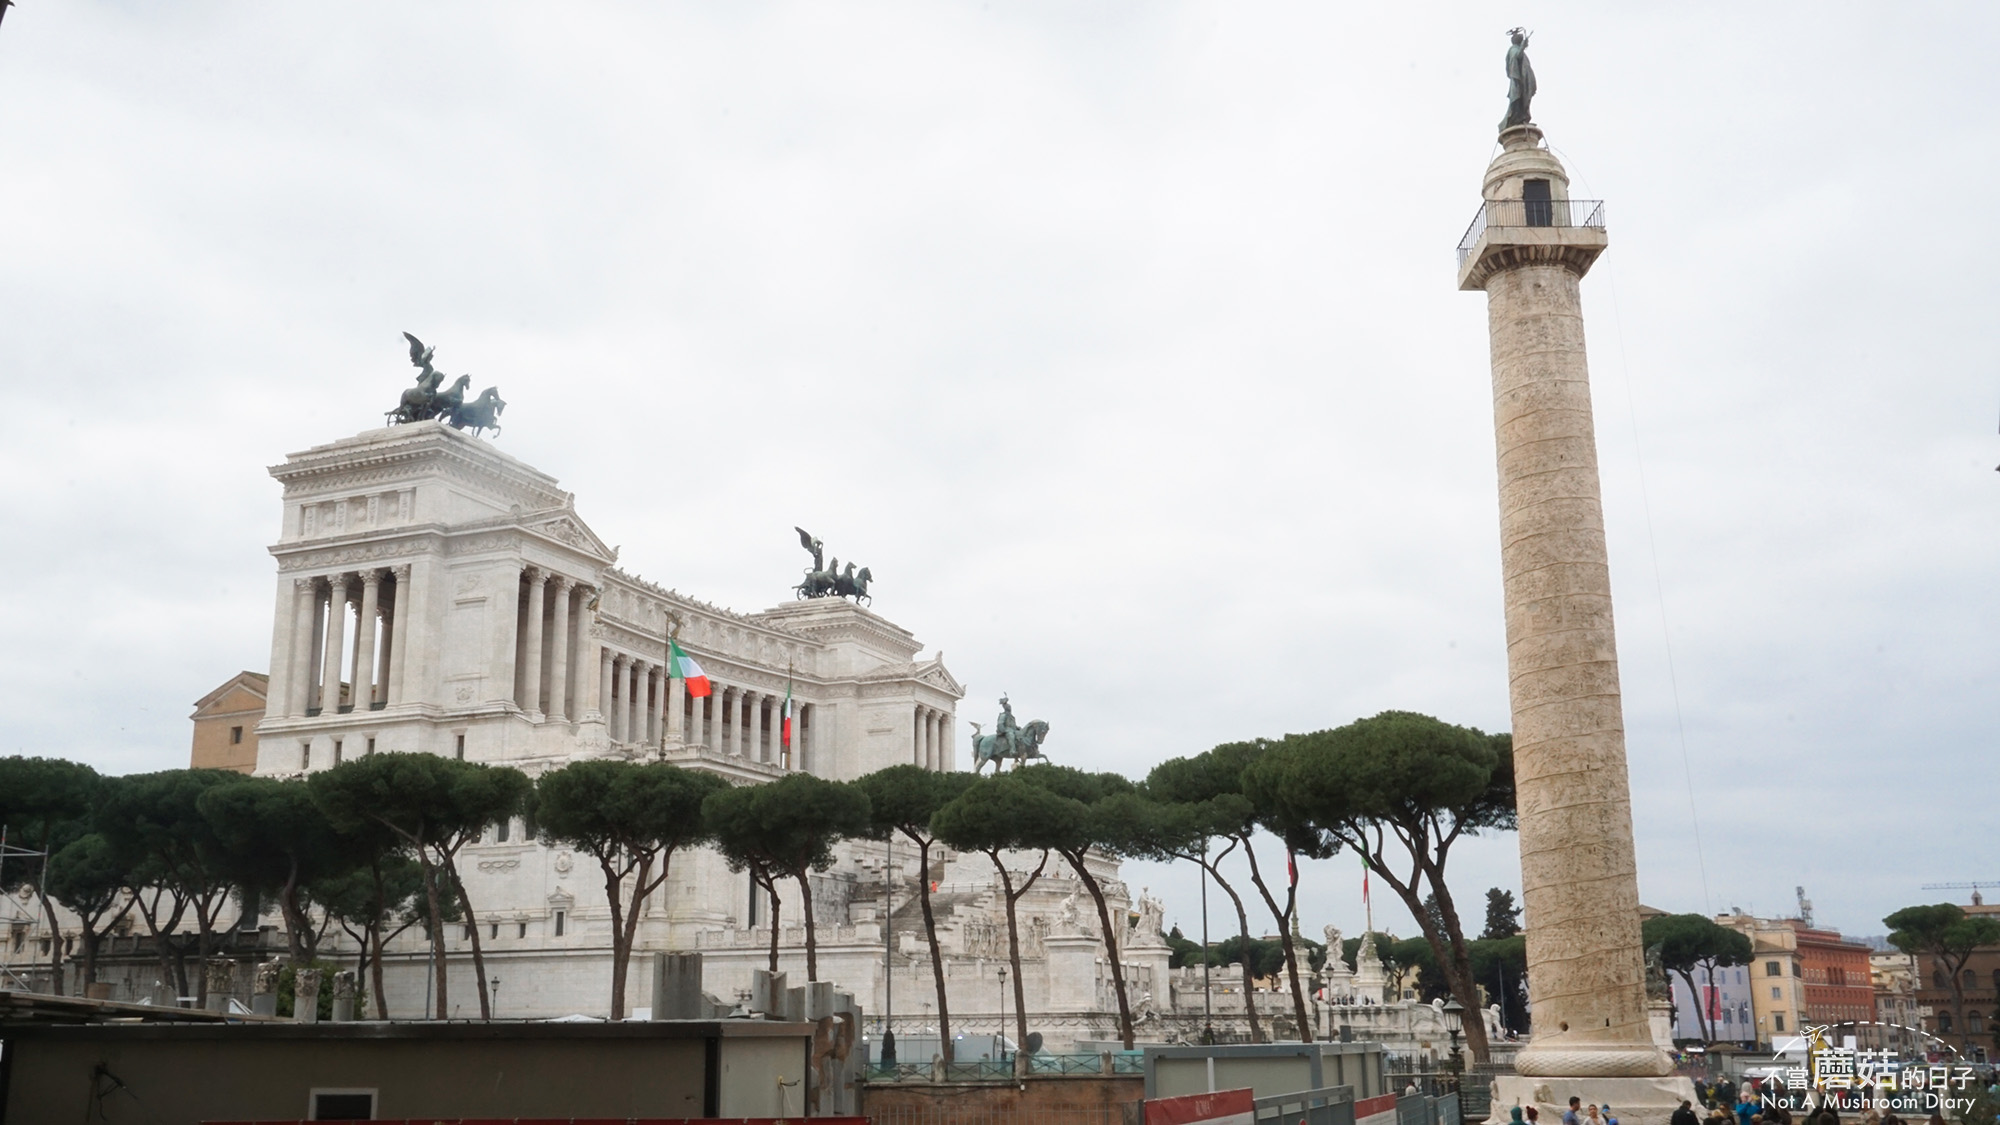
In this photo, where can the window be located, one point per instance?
(1974, 1022)
(1798, 970)
(336, 751)
(501, 829)
(1937, 979)
(236, 736)
(461, 748)
(562, 916)
(468, 933)
(370, 748)
(493, 932)
(1968, 979)
(1771, 969)
(1944, 1022)
(1777, 993)
(523, 930)
(341, 1105)
(305, 755)
(528, 825)
(1777, 1021)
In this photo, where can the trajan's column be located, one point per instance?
(1528, 248)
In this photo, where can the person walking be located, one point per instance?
(1572, 1116)
(1685, 1115)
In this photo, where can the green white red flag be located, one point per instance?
(785, 729)
(685, 667)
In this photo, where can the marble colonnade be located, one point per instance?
(931, 746)
(366, 675)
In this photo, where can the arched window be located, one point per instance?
(1969, 979)
(1937, 979)
(1944, 1022)
(1975, 1022)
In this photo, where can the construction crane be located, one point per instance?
(1973, 887)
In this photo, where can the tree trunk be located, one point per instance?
(1284, 917)
(436, 928)
(296, 922)
(621, 943)
(1249, 987)
(930, 936)
(1463, 984)
(1014, 938)
(55, 938)
(771, 887)
(1700, 1006)
(471, 927)
(1111, 945)
(806, 905)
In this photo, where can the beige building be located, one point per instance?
(1777, 976)
(225, 723)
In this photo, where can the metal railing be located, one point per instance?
(1002, 1070)
(1329, 1105)
(1530, 213)
(1125, 1113)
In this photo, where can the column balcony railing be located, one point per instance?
(1529, 214)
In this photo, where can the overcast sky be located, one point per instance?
(1120, 340)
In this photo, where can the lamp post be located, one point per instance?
(1454, 1022)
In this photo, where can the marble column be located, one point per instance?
(676, 706)
(364, 639)
(758, 751)
(590, 668)
(629, 710)
(298, 690)
(386, 625)
(725, 720)
(559, 651)
(531, 646)
(659, 708)
(617, 693)
(399, 636)
(947, 743)
(336, 640)
(1579, 875)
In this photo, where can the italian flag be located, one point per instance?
(785, 728)
(685, 667)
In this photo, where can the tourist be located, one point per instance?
(1514, 1116)
(1685, 1115)
(1608, 1119)
(1570, 1115)
(1746, 1108)
(1591, 1117)
(1534, 1115)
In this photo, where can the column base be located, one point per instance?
(1634, 1101)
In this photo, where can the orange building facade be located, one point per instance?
(1839, 984)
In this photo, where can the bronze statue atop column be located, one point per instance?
(825, 579)
(1520, 81)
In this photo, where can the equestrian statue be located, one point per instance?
(824, 579)
(425, 401)
(1008, 740)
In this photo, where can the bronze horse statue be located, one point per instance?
(425, 401)
(994, 748)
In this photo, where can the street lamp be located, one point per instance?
(1454, 1022)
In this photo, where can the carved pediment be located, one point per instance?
(565, 527)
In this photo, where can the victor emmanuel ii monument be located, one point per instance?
(1528, 248)
(436, 595)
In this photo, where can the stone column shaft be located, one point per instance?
(298, 690)
(364, 639)
(676, 707)
(757, 750)
(559, 651)
(336, 639)
(531, 645)
(399, 636)
(1579, 877)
